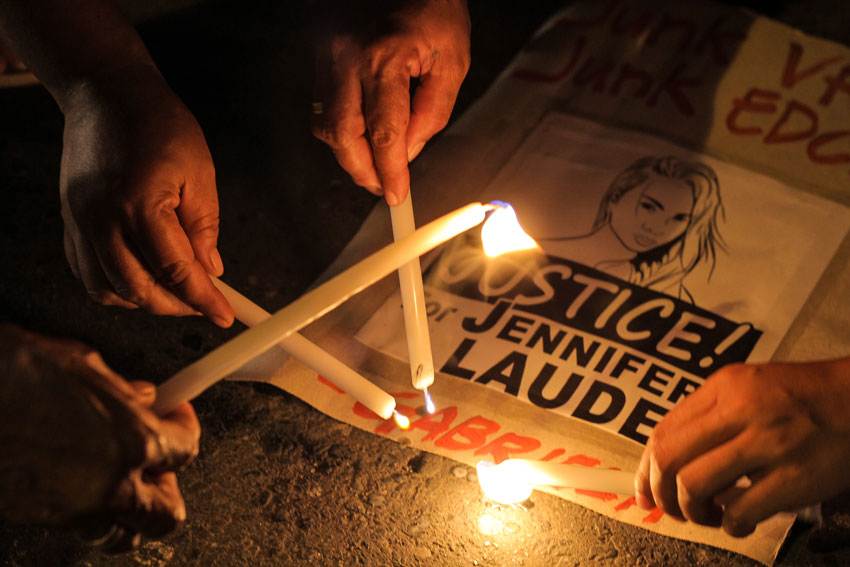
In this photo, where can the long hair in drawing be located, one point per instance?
(673, 260)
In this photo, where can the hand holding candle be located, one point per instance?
(202, 374)
(205, 372)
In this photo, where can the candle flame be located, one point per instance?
(502, 232)
(429, 402)
(512, 480)
(401, 419)
(505, 485)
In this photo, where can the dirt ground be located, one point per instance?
(278, 483)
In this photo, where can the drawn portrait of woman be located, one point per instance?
(657, 222)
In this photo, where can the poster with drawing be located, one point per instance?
(683, 167)
(657, 265)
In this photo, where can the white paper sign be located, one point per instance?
(659, 265)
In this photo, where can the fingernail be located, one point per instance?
(644, 502)
(393, 200)
(215, 260)
(145, 390)
(414, 151)
(221, 321)
(377, 190)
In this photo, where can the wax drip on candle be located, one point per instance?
(401, 419)
(429, 402)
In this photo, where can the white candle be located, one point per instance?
(202, 374)
(512, 480)
(311, 354)
(413, 302)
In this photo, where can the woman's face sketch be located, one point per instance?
(653, 214)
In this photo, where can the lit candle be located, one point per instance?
(202, 374)
(503, 233)
(512, 481)
(413, 302)
(331, 368)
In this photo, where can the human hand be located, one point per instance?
(365, 62)
(81, 447)
(139, 198)
(785, 427)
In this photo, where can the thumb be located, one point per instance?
(198, 214)
(145, 393)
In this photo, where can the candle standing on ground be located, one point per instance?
(413, 306)
(202, 374)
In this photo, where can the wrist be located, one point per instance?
(829, 400)
(125, 83)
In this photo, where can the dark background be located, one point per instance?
(278, 483)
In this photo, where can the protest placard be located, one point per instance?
(684, 169)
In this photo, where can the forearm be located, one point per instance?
(68, 43)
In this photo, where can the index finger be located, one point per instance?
(432, 105)
(342, 126)
(166, 248)
(689, 430)
(698, 403)
(387, 112)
